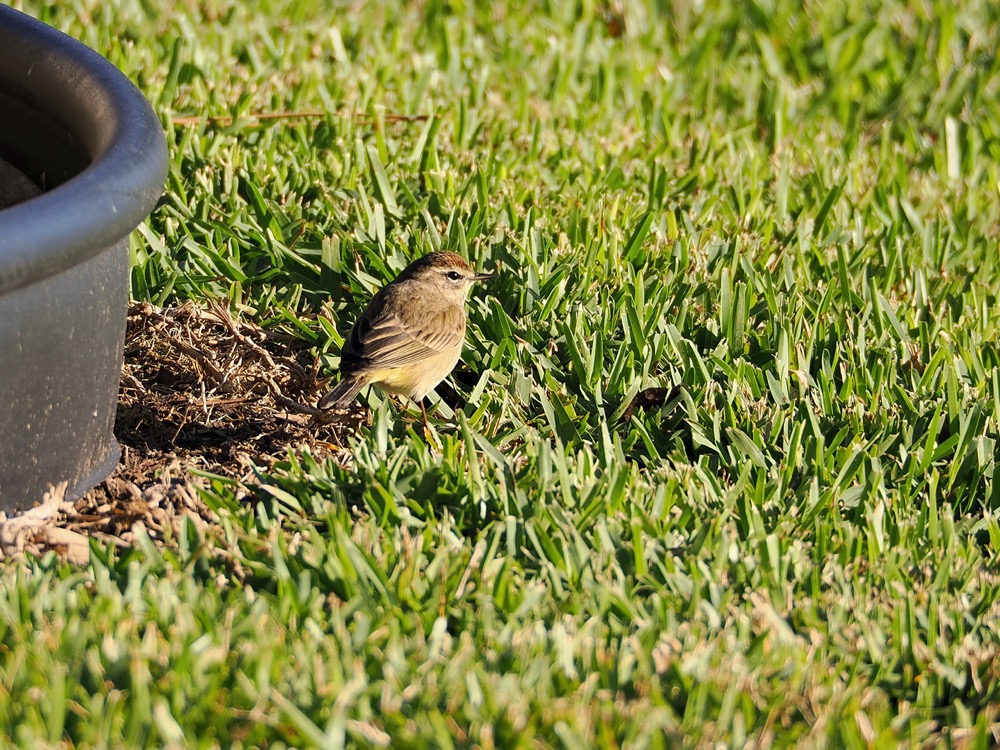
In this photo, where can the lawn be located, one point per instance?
(725, 469)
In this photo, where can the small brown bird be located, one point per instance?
(410, 336)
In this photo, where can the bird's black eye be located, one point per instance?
(454, 275)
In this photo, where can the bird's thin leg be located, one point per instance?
(429, 436)
(423, 414)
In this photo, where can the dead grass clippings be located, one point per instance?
(199, 390)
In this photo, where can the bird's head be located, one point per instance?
(447, 273)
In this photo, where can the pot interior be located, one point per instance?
(38, 148)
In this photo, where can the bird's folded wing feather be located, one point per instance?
(381, 340)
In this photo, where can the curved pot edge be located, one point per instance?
(75, 85)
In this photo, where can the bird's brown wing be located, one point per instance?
(381, 340)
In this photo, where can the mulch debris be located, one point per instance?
(199, 390)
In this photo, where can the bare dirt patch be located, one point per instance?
(212, 392)
(199, 390)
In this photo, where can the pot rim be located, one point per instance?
(90, 98)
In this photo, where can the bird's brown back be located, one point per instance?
(402, 325)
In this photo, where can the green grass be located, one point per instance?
(786, 216)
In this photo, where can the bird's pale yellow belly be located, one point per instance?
(418, 379)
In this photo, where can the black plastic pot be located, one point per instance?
(79, 130)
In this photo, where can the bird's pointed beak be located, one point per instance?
(484, 276)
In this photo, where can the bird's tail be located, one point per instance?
(344, 392)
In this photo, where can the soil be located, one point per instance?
(199, 390)
(205, 390)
